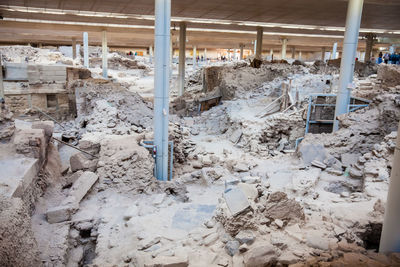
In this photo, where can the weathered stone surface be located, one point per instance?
(263, 255)
(355, 173)
(60, 213)
(250, 190)
(80, 188)
(210, 239)
(316, 240)
(232, 247)
(236, 200)
(165, 261)
(349, 159)
(240, 167)
(245, 237)
(79, 162)
(148, 242)
(310, 152)
(235, 136)
(280, 207)
(318, 164)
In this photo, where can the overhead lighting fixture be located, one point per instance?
(191, 20)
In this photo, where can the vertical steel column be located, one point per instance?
(182, 57)
(151, 54)
(2, 97)
(284, 46)
(104, 53)
(353, 20)
(323, 52)
(260, 32)
(86, 50)
(161, 85)
(241, 51)
(334, 51)
(73, 48)
(194, 57)
(390, 238)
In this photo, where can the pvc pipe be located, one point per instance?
(182, 58)
(353, 20)
(334, 51)
(390, 238)
(260, 33)
(284, 45)
(161, 85)
(255, 47)
(86, 50)
(104, 54)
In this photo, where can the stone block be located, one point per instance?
(80, 188)
(60, 213)
(80, 162)
(236, 200)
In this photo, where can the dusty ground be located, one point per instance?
(320, 210)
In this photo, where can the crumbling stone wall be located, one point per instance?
(18, 247)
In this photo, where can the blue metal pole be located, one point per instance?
(86, 50)
(353, 20)
(161, 85)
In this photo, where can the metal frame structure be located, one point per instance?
(350, 108)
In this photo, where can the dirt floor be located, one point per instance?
(245, 190)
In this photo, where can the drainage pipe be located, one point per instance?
(161, 85)
(353, 20)
(390, 238)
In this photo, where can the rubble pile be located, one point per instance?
(118, 62)
(108, 107)
(7, 125)
(125, 165)
(25, 54)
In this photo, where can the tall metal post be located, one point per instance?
(104, 53)
(2, 97)
(334, 51)
(241, 51)
(73, 48)
(194, 57)
(260, 32)
(390, 237)
(323, 52)
(86, 50)
(353, 20)
(284, 46)
(182, 57)
(161, 85)
(151, 54)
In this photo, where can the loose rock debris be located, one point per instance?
(245, 191)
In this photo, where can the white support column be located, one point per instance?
(205, 55)
(171, 57)
(334, 51)
(353, 20)
(300, 55)
(284, 46)
(85, 50)
(255, 47)
(151, 54)
(104, 53)
(161, 85)
(323, 52)
(194, 57)
(260, 33)
(390, 237)
(271, 54)
(182, 57)
(241, 51)
(293, 53)
(2, 97)
(73, 48)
